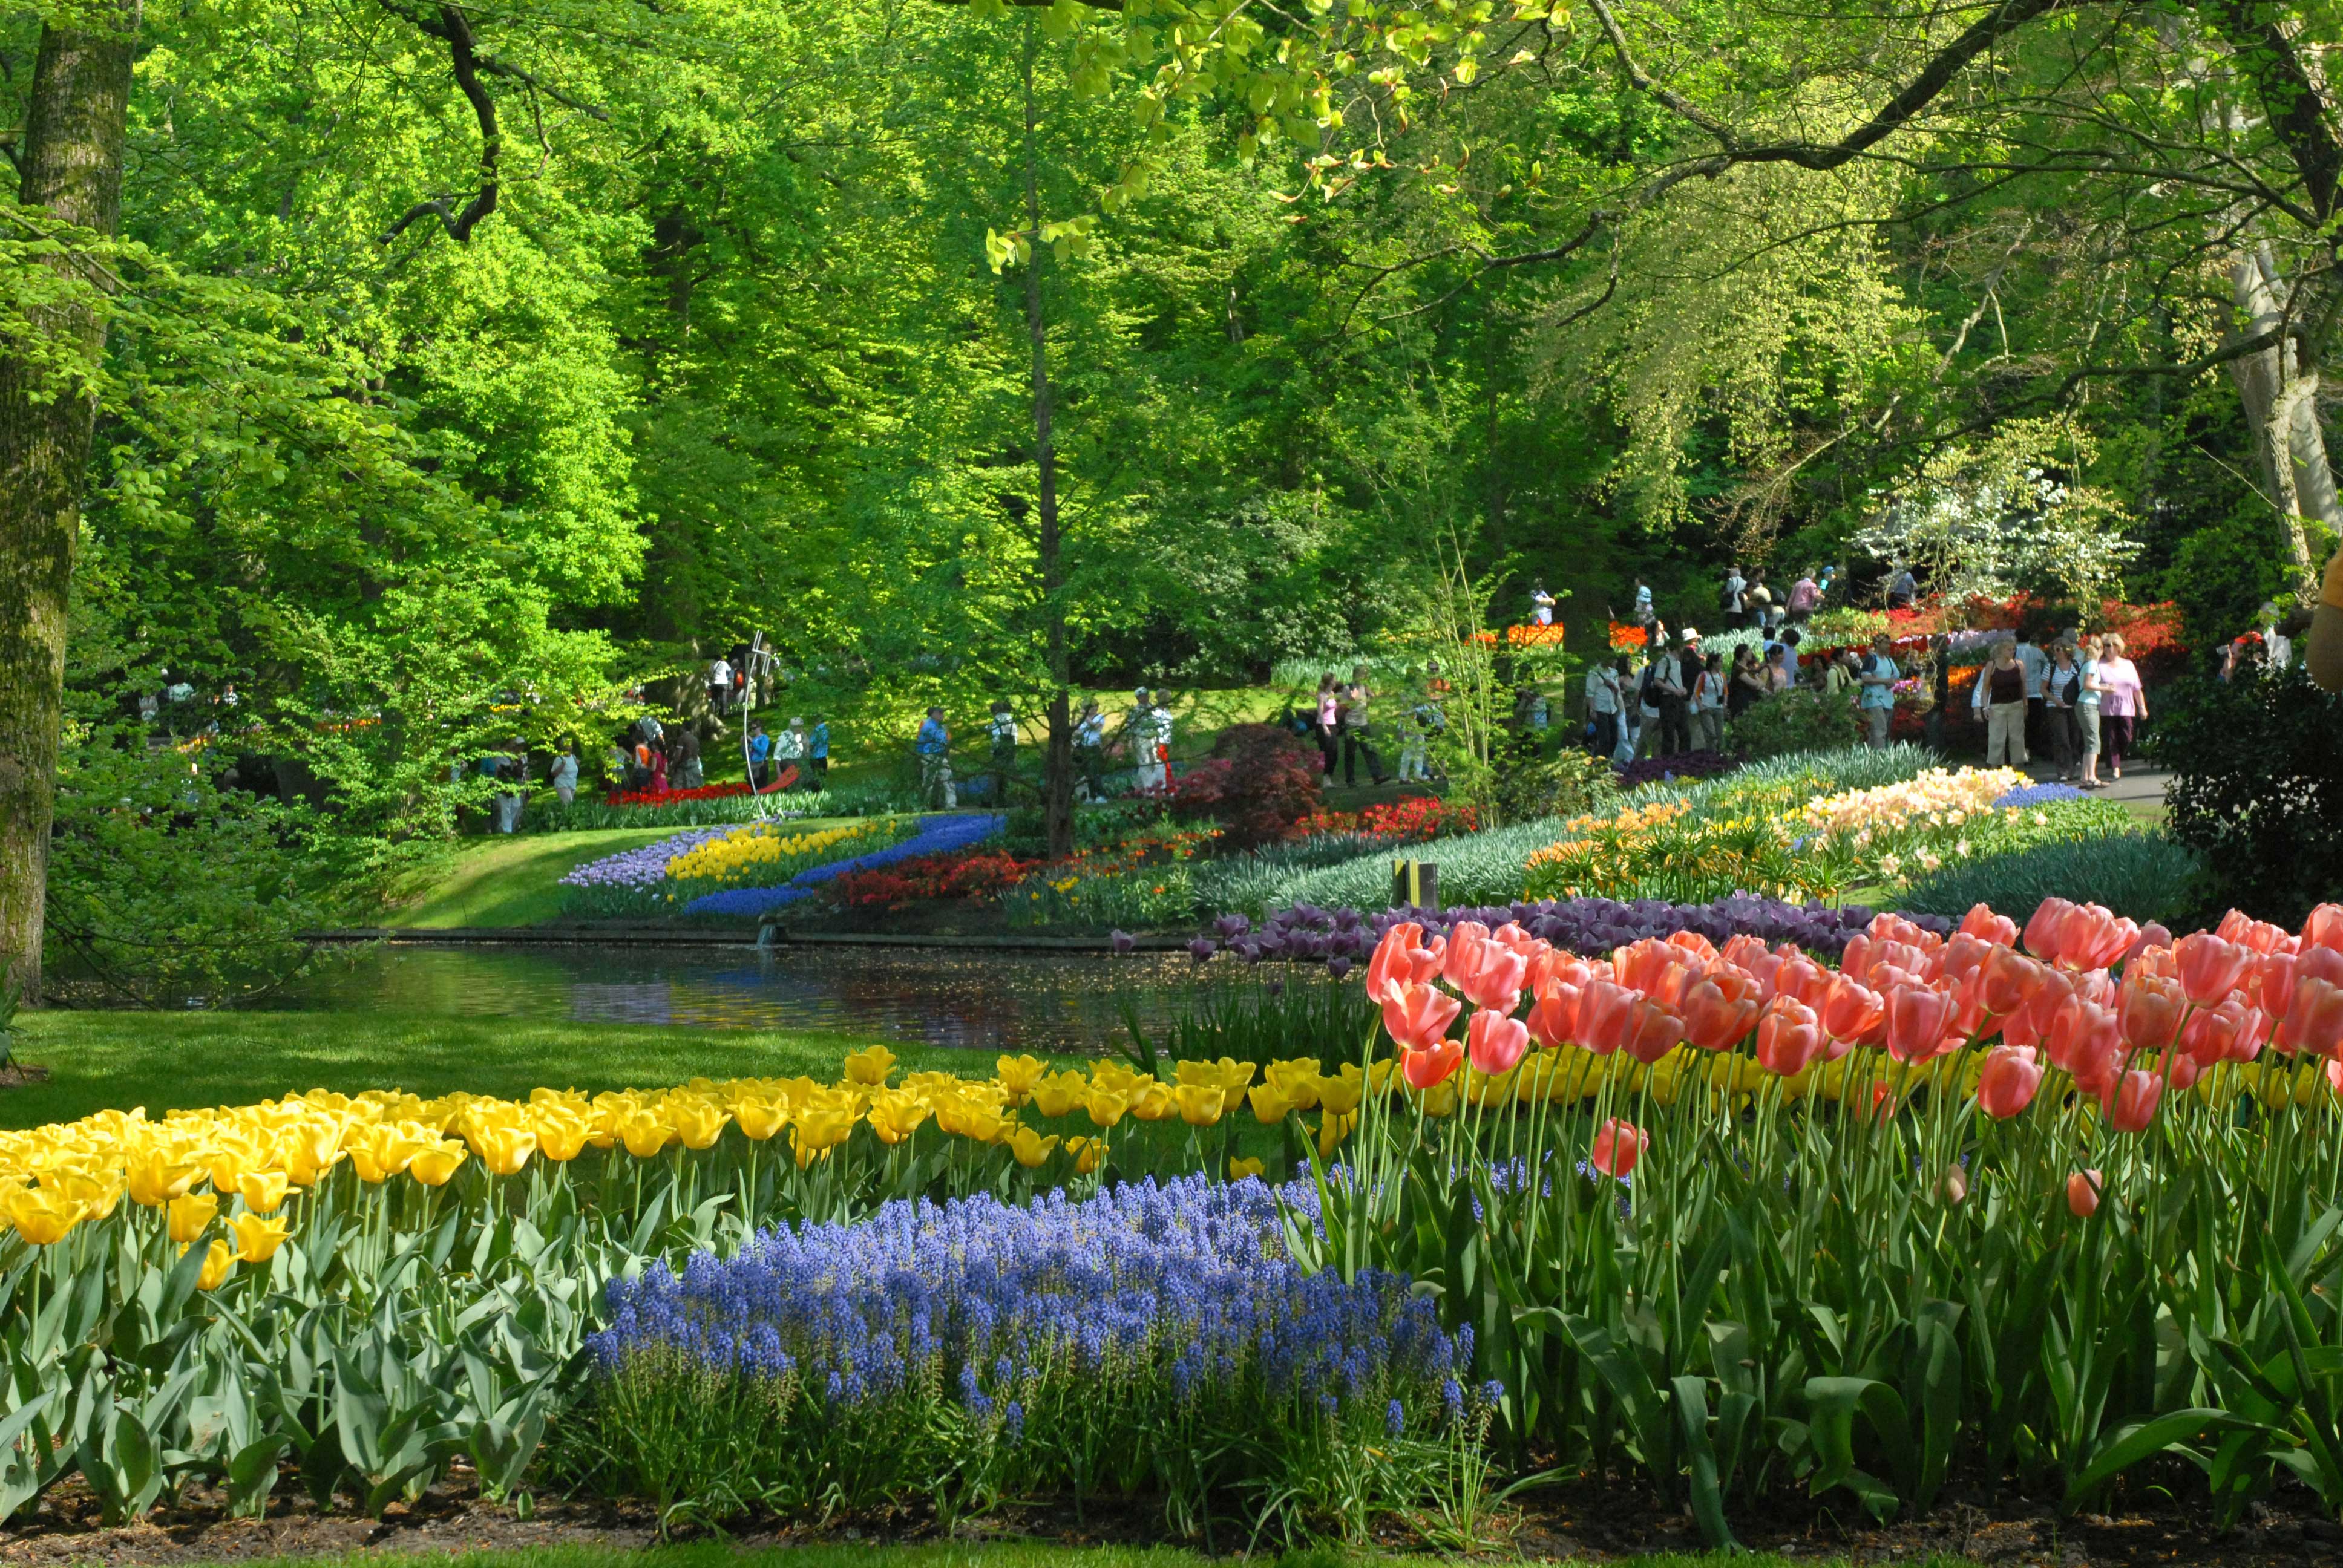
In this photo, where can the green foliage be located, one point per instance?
(1792, 720)
(1571, 783)
(166, 887)
(2256, 789)
(2145, 875)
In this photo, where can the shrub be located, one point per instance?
(1570, 784)
(1259, 781)
(1794, 720)
(2258, 788)
(2146, 875)
(1678, 765)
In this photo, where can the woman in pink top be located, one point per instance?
(2123, 703)
(1329, 712)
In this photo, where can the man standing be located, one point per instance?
(1090, 751)
(759, 753)
(933, 745)
(1603, 707)
(1000, 727)
(1877, 701)
(1357, 736)
(2036, 665)
(1729, 599)
(1904, 590)
(1153, 725)
(687, 758)
(817, 751)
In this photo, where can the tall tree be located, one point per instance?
(70, 152)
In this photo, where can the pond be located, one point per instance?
(982, 1000)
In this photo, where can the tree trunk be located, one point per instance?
(72, 162)
(1058, 755)
(2281, 403)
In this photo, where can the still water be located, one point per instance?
(981, 1000)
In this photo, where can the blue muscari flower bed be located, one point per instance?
(2038, 795)
(936, 836)
(1152, 1338)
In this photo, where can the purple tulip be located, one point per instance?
(1202, 949)
(1122, 941)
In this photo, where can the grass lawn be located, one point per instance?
(995, 1554)
(514, 881)
(166, 1061)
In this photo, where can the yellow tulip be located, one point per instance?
(1059, 1093)
(504, 1145)
(870, 1065)
(1228, 1074)
(1020, 1075)
(760, 1116)
(1030, 1147)
(1440, 1099)
(1152, 1101)
(435, 1163)
(1241, 1169)
(192, 1215)
(814, 1134)
(699, 1123)
(96, 1193)
(219, 1259)
(1269, 1105)
(1332, 1128)
(262, 1190)
(1201, 1104)
(42, 1216)
(1105, 1106)
(1116, 1076)
(645, 1133)
(561, 1130)
(257, 1239)
(984, 1123)
(310, 1150)
(233, 1152)
(1296, 1080)
(155, 1178)
(896, 1116)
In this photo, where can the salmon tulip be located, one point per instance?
(1419, 1014)
(2007, 1083)
(1603, 1016)
(1465, 939)
(1650, 1031)
(1919, 1018)
(1984, 924)
(1495, 1043)
(1402, 959)
(2092, 937)
(1493, 983)
(1789, 1037)
(2314, 1018)
(2323, 928)
(2083, 1189)
(2131, 1100)
(2148, 1010)
(1720, 1009)
(1803, 979)
(1431, 1065)
(1618, 1146)
(1854, 1013)
(2081, 1036)
(2043, 929)
(1553, 1016)
(2213, 1034)
(2209, 967)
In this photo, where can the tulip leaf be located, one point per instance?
(2128, 1445)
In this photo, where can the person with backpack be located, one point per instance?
(1661, 694)
(1729, 600)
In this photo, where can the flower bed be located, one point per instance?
(951, 1354)
(669, 877)
(1676, 765)
(936, 835)
(957, 875)
(1416, 819)
(1144, 882)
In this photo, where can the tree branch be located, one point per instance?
(451, 26)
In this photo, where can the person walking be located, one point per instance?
(817, 751)
(932, 746)
(1904, 589)
(2061, 684)
(1804, 596)
(1689, 664)
(565, 775)
(1603, 689)
(1661, 691)
(1001, 729)
(2000, 702)
(719, 687)
(687, 774)
(1358, 731)
(1759, 601)
(2123, 702)
(2088, 695)
(2036, 665)
(1878, 674)
(1159, 737)
(1325, 730)
(1730, 598)
(759, 753)
(660, 765)
(1090, 751)
(1541, 605)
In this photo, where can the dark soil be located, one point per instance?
(16, 1074)
(1585, 1520)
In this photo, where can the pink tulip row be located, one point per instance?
(2127, 1012)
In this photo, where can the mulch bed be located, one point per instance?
(1583, 1519)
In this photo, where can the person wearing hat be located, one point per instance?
(1689, 664)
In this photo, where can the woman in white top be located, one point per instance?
(2086, 713)
(565, 775)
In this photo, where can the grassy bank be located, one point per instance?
(166, 1062)
(1002, 1554)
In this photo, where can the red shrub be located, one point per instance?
(976, 873)
(1261, 781)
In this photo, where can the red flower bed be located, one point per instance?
(1409, 822)
(975, 873)
(787, 777)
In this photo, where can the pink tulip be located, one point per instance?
(1853, 1012)
(2148, 1011)
(2180, 1069)
(2258, 935)
(2007, 1083)
(2209, 967)
(1494, 981)
(2270, 985)
(1419, 1015)
(1719, 1011)
(1465, 940)
(1651, 1030)
(1618, 1146)
(2083, 1040)
(1789, 1037)
(1692, 943)
(1401, 959)
(1742, 950)
(1553, 1016)
(2314, 1018)
(2083, 1189)
(2130, 1101)
(2042, 931)
(2092, 937)
(1919, 1020)
(1983, 923)
(2324, 929)
(1644, 964)
(2154, 938)
(1603, 1016)
(1430, 1065)
(2214, 1035)
(2319, 963)
(1806, 981)
(1495, 1042)
(2029, 1023)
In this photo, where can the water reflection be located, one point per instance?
(946, 997)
